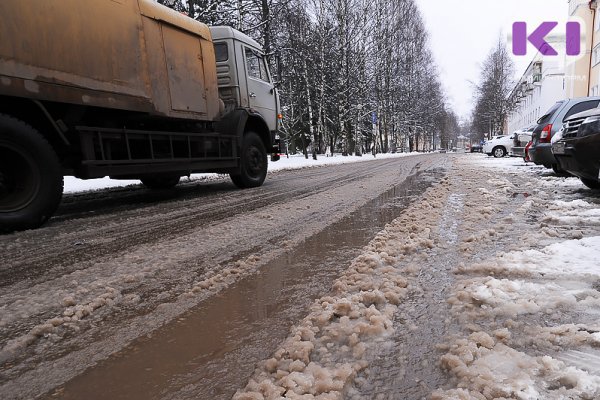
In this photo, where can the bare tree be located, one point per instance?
(355, 75)
(492, 106)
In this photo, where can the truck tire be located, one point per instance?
(253, 160)
(160, 181)
(31, 181)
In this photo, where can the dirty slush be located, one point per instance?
(443, 304)
(463, 294)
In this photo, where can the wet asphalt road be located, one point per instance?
(165, 320)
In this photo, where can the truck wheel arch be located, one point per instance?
(241, 121)
(256, 124)
(37, 116)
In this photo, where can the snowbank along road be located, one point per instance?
(116, 265)
(438, 276)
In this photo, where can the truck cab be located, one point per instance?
(243, 76)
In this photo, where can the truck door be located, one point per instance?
(261, 92)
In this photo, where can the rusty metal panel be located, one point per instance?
(85, 44)
(185, 70)
(155, 56)
(168, 84)
(210, 78)
(153, 10)
(108, 53)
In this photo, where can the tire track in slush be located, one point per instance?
(48, 255)
(40, 367)
(211, 350)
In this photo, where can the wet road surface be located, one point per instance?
(185, 289)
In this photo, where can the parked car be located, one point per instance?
(577, 148)
(540, 151)
(520, 140)
(475, 148)
(526, 155)
(498, 146)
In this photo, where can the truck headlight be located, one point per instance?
(590, 126)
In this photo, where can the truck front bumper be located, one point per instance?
(275, 149)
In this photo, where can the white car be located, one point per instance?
(498, 146)
(520, 140)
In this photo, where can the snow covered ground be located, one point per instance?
(73, 184)
(522, 312)
(486, 287)
(529, 310)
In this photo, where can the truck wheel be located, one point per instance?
(499, 152)
(31, 181)
(253, 159)
(160, 181)
(592, 184)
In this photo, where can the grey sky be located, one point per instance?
(462, 33)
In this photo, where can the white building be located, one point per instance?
(542, 85)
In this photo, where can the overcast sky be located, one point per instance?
(462, 33)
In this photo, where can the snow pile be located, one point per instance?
(510, 165)
(225, 276)
(564, 336)
(73, 184)
(568, 257)
(298, 161)
(573, 218)
(488, 369)
(510, 298)
(347, 329)
(73, 312)
(551, 182)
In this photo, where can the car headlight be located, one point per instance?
(590, 126)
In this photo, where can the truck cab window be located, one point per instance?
(221, 52)
(263, 70)
(256, 65)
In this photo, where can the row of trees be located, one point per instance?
(354, 75)
(492, 105)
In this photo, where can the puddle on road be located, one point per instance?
(210, 351)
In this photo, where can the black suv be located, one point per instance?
(578, 152)
(540, 151)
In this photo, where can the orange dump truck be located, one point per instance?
(128, 89)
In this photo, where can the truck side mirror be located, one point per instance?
(276, 85)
